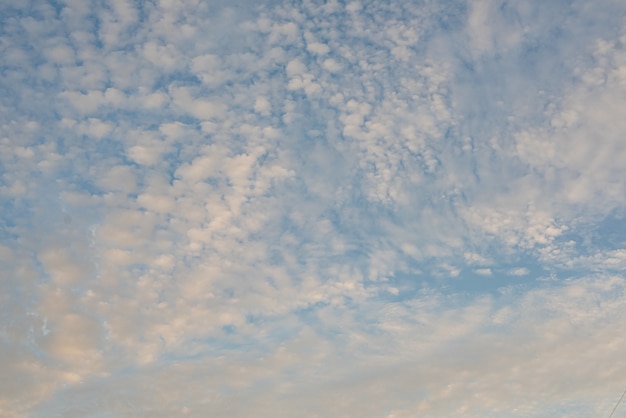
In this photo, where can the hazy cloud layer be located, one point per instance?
(315, 209)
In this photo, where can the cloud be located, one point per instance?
(499, 354)
(281, 209)
(519, 271)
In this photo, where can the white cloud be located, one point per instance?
(288, 205)
(519, 271)
(473, 258)
(318, 48)
(331, 65)
(262, 106)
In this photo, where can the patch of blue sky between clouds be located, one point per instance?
(366, 208)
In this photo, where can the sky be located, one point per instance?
(374, 208)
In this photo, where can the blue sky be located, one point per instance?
(312, 209)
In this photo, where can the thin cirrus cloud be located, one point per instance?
(312, 209)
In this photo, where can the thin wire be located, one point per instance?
(617, 404)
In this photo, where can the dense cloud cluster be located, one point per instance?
(315, 208)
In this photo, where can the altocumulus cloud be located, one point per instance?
(315, 208)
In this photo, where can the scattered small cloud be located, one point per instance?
(519, 271)
(291, 203)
